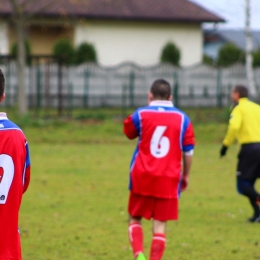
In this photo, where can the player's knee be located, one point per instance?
(133, 219)
(241, 188)
(244, 187)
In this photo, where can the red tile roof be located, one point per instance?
(149, 10)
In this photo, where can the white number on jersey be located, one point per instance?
(160, 144)
(6, 176)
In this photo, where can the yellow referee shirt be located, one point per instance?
(244, 123)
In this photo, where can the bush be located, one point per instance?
(171, 54)
(230, 54)
(208, 60)
(64, 49)
(256, 58)
(14, 51)
(85, 53)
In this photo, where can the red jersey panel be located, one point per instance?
(164, 134)
(14, 180)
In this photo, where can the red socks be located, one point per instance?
(136, 238)
(135, 232)
(157, 246)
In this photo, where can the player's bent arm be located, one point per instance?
(129, 128)
(26, 179)
(27, 172)
(187, 161)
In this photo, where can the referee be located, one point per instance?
(244, 125)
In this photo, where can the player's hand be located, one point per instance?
(223, 151)
(184, 183)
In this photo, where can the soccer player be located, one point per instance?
(14, 180)
(244, 124)
(165, 139)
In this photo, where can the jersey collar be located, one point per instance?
(3, 116)
(242, 99)
(162, 103)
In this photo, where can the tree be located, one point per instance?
(230, 54)
(20, 17)
(14, 50)
(208, 60)
(249, 48)
(171, 54)
(85, 53)
(19, 22)
(64, 49)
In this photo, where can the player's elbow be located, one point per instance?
(129, 129)
(130, 135)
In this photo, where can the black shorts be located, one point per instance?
(248, 167)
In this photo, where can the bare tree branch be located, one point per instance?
(19, 21)
(23, 11)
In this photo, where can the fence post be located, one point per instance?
(86, 87)
(8, 84)
(219, 89)
(124, 105)
(228, 93)
(205, 91)
(70, 99)
(176, 89)
(38, 87)
(47, 88)
(16, 89)
(59, 88)
(32, 83)
(131, 88)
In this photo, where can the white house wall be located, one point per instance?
(4, 38)
(117, 42)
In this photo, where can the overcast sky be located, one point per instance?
(233, 11)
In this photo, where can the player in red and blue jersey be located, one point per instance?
(14, 181)
(160, 166)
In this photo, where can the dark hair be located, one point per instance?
(161, 89)
(2, 83)
(241, 90)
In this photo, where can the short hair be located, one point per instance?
(2, 83)
(241, 90)
(161, 89)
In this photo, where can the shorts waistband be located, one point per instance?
(250, 144)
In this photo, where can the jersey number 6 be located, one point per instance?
(6, 176)
(160, 144)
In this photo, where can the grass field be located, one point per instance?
(75, 207)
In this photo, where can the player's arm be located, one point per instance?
(188, 147)
(129, 128)
(187, 161)
(234, 125)
(27, 172)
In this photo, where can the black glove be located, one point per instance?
(223, 150)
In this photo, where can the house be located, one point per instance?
(120, 30)
(215, 39)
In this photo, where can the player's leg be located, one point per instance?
(247, 171)
(158, 241)
(135, 233)
(138, 207)
(246, 188)
(164, 210)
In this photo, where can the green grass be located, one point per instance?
(75, 207)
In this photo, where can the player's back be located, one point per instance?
(156, 166)
(250, 127)
(160, 135)
(13, 156)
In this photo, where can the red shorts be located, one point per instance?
(152, 207)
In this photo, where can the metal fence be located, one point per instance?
(53, 85)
